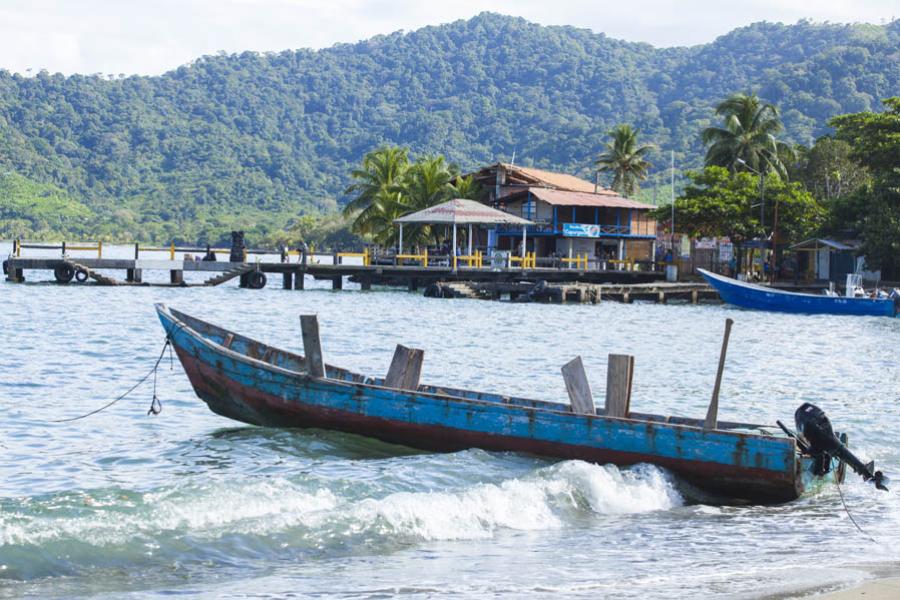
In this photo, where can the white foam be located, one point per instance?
(544, 499)
(609, 490)
(532, 503)
(208, 511)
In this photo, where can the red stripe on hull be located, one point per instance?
(231, 399)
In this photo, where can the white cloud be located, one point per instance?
(125, 36)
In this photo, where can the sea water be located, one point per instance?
(126, 504)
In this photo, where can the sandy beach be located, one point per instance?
(880, 589)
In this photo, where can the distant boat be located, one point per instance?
(248, 381)
(750, 295)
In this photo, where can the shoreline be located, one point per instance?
(883, 588)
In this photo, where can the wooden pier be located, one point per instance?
(573, 292)
(64, 270)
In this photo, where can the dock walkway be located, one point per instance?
(293, 274)
(573, 292)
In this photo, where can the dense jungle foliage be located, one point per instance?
(256, 141)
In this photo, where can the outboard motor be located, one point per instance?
(817, 438)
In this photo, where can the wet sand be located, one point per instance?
(880, 589)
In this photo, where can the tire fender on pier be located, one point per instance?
(64, 273)
(256, 280)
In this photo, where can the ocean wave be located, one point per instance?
(544, 499)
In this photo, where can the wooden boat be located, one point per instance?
(749, 295)
(251, 382)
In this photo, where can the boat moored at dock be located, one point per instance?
(758, 297)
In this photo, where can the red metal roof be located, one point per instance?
(567, 198)
(462, 212)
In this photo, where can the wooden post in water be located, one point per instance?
(712, 414)
(578, 387)
(405, 369)
(619, 373)
(312, 345)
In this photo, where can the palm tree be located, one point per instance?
(467, 188)
(625, 159)
(746, 141)
(375, 188)
(425, 183)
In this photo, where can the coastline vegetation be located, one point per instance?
(255, 141)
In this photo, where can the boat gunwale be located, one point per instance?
(216, 347)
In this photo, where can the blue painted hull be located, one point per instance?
(245, 380)
(757, 297)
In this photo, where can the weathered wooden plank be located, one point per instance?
(405, 369)
(312, 345)
(712, 413)
(578, 387)
(619, 373)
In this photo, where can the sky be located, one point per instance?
(150, 37)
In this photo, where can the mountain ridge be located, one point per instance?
(251, 139)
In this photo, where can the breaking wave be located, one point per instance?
(305, 515)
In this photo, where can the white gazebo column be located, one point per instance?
(400, 245)
(453, 249)
(469, 253)
(621, 254)
(524, 239)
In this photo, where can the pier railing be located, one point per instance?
(97, 246)
(529, 261)
(368, 256)
(580, 262)
(364, 255)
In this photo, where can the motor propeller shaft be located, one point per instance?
(818, 437)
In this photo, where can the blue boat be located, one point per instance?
(251, 382)
(758, 297)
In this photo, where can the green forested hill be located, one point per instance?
(250, 140)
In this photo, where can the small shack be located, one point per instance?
(825, 260)
(461, 212)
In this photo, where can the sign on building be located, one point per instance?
(726, 251)
(581, 230)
